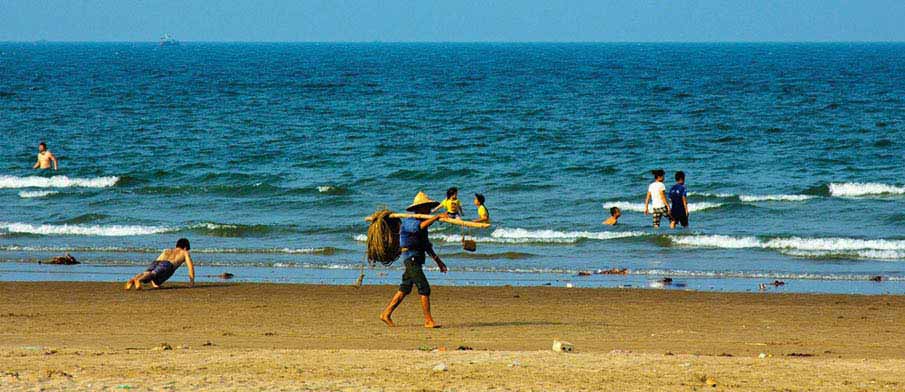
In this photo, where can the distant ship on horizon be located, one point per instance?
(168, 40)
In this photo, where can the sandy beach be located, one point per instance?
(262, 336)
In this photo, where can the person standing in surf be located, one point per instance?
(678, 196)
(166, 264)
(413, 239)
(656, 198)
(45, 158)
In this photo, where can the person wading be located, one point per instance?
(415, 246)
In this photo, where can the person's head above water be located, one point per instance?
(680, 177)
(615, 212)
(183, 243)
(478, 199)
(452, 193)
(658, 174)
(42, 146)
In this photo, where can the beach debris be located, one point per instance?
(226, 276)
(765, 355)
(207, 344)
(182, 347)
(163, 347)
(360, 280)
(51, 373)
(799, 355)
(425, 347)
(440, 367)
(877, 278)
(269, 334)
(66, 259)
(777, 283)
(10, 376)
(464, 348)
(612, 271)
(515, 363)
(440, 349)
(666, 281)
(562, 347)
(669, 353)
(725, 355)
(709, 381)
(762, 287)
(124, 386)
(584, 273)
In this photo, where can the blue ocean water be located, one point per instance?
(269, 156)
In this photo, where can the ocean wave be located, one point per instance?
(325, 251)
(332, 190)
(36, 194)
(856, 189)
(7, 182)
(524, 236)
(639, 207)
(754, 198)
(67, 229)
(233, 230)
(800, 246)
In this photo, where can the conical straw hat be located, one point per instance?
(420, 200)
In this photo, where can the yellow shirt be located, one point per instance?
(452, 206)
(482, 213)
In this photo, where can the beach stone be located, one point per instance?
(563, 347)
(710, 382)
(163, 347)
(762, 355)
(440, 367)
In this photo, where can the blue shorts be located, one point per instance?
(161, 271)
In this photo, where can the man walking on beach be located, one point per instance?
(415, 245)
(164, 267)
(45, 157)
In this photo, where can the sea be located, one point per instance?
(268, 157)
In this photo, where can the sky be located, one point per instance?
(459, 21)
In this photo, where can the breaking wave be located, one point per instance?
(35, 194)
(857, 189)
(802, 247)
(325, 251)
(754, 198)
(7, 182)
(67, 229)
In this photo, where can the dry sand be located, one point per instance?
(257, 336)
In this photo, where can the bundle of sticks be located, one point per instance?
(383, 234)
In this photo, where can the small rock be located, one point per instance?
(163, 347)
(464, 348)
(777, 283)
(207, 344)
(762, 355)
(877, 278)
(515, 363)
(584, 273)
(226, 276)
(440, 367)
(710, 382)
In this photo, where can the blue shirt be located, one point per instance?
(413, 237)
(676, 193)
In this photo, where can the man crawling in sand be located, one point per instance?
(164, 267)
(415, 246)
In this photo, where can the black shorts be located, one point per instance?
(680, 219)
(414, 276)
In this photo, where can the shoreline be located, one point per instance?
(330, 337)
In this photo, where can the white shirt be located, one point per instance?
(656, 189)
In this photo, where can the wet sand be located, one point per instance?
(264, 336)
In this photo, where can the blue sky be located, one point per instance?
(396, 20)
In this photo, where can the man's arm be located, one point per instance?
(665, 201)
(428, 222)
(433, 255)
(54, 160)
(191, 267)
(646, 202)
(685, 203)
(37, 163)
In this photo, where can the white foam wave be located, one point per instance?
(7, 182)
(756, 198)
(798, 246)
(113, 230)
(34, 194)
(325, 188)
(639, 207)
(855, 189)
(524, 236)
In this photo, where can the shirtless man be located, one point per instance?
(45, 157)
(165, 266)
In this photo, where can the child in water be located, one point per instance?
(452, 204)
(656, 198)
(483, 215)
(615, 213)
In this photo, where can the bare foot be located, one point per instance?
(387, 320)
(154, 285)
(129, 284)
(431, 324)
(137, 285)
